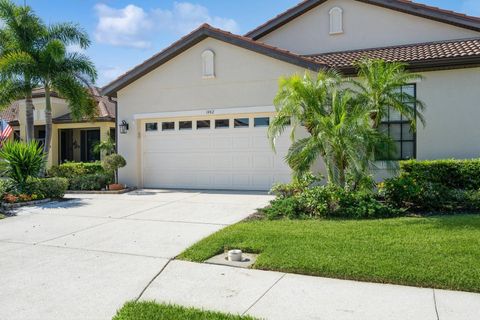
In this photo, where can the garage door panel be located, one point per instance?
(235, 158)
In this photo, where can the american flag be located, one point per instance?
(6, 130)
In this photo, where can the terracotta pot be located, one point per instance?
(115, 187)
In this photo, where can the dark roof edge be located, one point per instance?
(420, 10)
(100, 119)
(203, 32)
(429, 65)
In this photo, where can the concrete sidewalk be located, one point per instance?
(278, 296)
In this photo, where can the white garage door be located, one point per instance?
(227, 153)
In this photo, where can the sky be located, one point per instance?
(126, 32)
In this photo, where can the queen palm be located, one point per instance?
(18, 37)
(68, 74)
(339, 129)
(378, 88)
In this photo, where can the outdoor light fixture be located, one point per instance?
(124, 127)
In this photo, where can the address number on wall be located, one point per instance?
(210, 111)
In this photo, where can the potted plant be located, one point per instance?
(111, 164)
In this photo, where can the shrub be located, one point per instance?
(330, 202)
(24, 160)
(283, 208)
(285, 190)
(112, 163)
(96, 181)
(453, 174)
(6, 185)
(53, 188)
(424, 196)
(75, 169)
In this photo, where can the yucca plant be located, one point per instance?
(24, 160)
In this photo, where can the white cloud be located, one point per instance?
(109, 73)
(186, 16)
(132, 26)
(123, 27)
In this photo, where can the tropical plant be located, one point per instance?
(378, 88)
(107, 146)
(18, 38)
(340, 130)
(25, 160)
(112, 163)
(68, 74)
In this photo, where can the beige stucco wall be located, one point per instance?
(453, 114)
(365, 26)
(243, 79)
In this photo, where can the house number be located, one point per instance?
(210, 111)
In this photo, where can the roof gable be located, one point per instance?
(405, 6)
(198, 35)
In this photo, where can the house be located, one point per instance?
(71, 140)
(197, 112)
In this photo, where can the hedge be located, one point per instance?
(453, 174)
(75, 169)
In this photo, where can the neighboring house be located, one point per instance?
(71, 140)
(198, 111)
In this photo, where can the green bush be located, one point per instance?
(53, 188)
(96, 181)
(112, 163)
(435, 186)
(330, 202)
(405, 192)
(24, 161)
(285, 190)
(453, 174)
(75, 169)
(6, 185)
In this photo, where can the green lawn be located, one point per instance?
(155, 311)
(439, 252)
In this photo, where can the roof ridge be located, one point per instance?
(405, 6)
(395, 46)
(204, 31)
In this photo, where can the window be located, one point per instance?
(208, 64)
(185, 125)
(222, 123)
(262, 122)
(203, 124)
(241, 123)
(166, 126)
(151, 126)
(336, 20)
(399, 129)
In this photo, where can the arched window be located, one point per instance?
(208, 64)
(336, 20)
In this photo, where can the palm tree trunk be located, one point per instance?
(48, 122)
(29, 117)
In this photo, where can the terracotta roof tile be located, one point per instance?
(405, 53)
(10, 113)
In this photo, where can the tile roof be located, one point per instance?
(421, 52)
(106, 108)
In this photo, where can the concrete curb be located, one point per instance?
(101, 192)
(9, 206)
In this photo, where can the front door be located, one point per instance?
(88, 139)
(66, 145)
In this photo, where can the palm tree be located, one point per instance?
(68, 74)
(340, 130)
(17, 68)
(379, 88)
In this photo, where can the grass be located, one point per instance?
(155, 311)
(439, 252)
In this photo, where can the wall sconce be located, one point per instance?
(124, 127)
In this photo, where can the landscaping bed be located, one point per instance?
(438, 251)
(155, 311)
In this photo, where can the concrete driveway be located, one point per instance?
(83, 258)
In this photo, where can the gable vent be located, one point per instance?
(336, 20)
